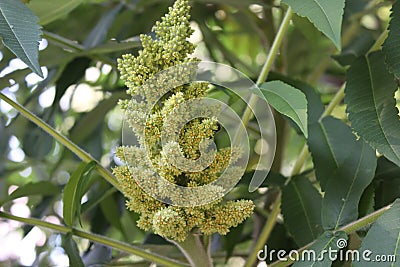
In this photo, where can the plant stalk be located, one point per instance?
(266, 231)
(83, 155)
(351, 227)
(76, 47)
(150, 256)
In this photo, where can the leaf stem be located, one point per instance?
(273, 52)
(150, 256)
(265, 232)
(351, 227)
(83, 155)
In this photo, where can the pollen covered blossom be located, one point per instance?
(152, 158)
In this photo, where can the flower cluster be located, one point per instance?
(150, 160)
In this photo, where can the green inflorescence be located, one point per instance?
(171, 48)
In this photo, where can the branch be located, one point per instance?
(150, 256)
(83, 155)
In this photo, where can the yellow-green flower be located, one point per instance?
(171, 48)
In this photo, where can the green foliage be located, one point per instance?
(327, 241)
(369, 97)
(49, 11)
(288, 101)
(72, 251)
(326, 15)
(43, 188)
(386, 183)
(383, 238)
(172, 220)
(21, 36)
(335, 175)
(74, 191)
(331, 142)
(343, 192)
(301, 208)
(391, 46)
(344, 168)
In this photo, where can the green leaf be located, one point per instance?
(315, 108)
(328, 241)
(20, 32)
(274, 179)
(344, 191)
(383, 239)
(4, 147)
(72, 73)
(110, 210)
(330, 143)
(87, 124)
(74, 190)
(72, 251)
(358, 47)
(306, 28)
(42, 188)
(49, 11)
(326, 15)
(287, 100)
(99, 32)
(113, 46)
(391, 47)
(301, 209)
(371, 105)
(98, 255)
(40, 210)
(386, 182)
